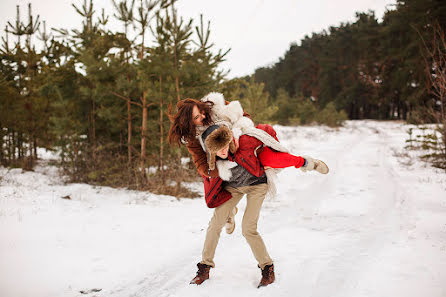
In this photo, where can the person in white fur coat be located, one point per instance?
(194, 117)
(210, 113)
(231, 115)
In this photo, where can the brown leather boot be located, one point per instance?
(268, 276)
(202, 274)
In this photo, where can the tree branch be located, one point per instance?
(127, 99)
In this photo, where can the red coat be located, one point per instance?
(215, 194)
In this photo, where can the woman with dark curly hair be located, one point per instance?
(193, 117)
(191, 113)
(210, 128)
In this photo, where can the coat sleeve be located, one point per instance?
(200, 159)
(248, 145)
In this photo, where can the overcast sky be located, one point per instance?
(257, 31)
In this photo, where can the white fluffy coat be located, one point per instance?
(231, 115)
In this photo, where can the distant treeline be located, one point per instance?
(369, 69)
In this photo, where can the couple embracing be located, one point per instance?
(234, 158)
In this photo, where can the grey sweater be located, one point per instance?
(241, 178)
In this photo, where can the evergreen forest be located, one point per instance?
(369, 69)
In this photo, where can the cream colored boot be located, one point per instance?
(314, 164)
(230, 223)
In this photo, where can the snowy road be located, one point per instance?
(371, 227)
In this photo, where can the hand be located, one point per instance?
(267, 167)
(314, 164)
(236, 143)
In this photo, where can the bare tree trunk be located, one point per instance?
(93, 124)
(143, 31)
(177, 85)
(143, 131)
(444, 139)
(175, 45)
(144, 111)
(10, 145)
(35, 148)
(129, 132)
(18, 143)
(30, 161)
(177, 81)
(161, 129)
(2, 155)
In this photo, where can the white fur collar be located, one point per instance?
(224, 169)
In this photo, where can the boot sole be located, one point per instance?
(322, 167)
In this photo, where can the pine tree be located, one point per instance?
(254, 100)
(89, 88)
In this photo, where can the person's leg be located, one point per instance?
(274, 159)
(255, 196)
(217, 222)
(230, 222)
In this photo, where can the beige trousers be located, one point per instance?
(255, 196)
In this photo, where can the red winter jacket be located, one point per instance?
(215, 194)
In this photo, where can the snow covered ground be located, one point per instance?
(374, 226)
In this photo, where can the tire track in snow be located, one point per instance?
(374, 225)
(357, 204)
(373, 230)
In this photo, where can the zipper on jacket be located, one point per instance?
(248, 163)
(243, 160)
(218, 183)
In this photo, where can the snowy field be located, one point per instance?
(374, 226)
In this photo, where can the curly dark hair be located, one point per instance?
(182, 128)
